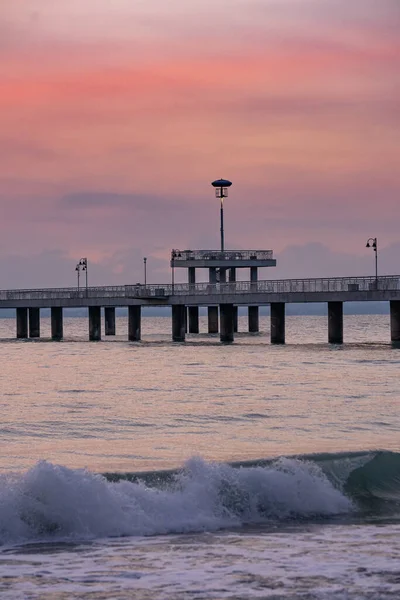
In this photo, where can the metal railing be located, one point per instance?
(184, 255)
(159, 291)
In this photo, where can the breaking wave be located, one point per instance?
(51, 501)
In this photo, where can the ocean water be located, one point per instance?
(200, 470)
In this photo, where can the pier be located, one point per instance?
(223, 296)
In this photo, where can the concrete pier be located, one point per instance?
(109, 320)
(22, 323)
(395, 321)
(34, 322)
(178, 322)
(193, 319)
(227, 323)
(277, 322)
(213, 319)
(134, 323)
(57, 329)
(253, 315)
(335, 322)
(94, 323)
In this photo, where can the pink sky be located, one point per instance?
(116, 116)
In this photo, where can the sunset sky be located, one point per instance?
(115, 116)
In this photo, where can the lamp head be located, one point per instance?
(368, 246)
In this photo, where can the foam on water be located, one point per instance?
(51, 501)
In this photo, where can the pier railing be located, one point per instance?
(157, 291)
(228, 255)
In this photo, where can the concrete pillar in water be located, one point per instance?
(94, 323)
(212, 310)
(227, 322)
(395, 321)
(109, 320)
(34, 322)
(232, 279)
(253, 313)
(277, 322)
(213, 319)
(335, 322)
(134, 323)
(22, 323)
(178, 322)
(193, 319)
(57, 323)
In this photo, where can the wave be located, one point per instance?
(51, 501)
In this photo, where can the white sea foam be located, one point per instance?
(53, 501)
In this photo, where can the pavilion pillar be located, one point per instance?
(335, 322)
(22, 323)
(134, 323)
(227, 323)
(212, 310)
(193, 319)
(94, 323)
(277, 322)
(253, 311)
(34, 322)
(57, 329)
(232, 279)
(253, 314)
(395, 321)
(178, 322)
(213, 319)
(109, 320)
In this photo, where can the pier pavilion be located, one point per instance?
(222, 267)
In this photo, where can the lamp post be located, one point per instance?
(221, 191)
(173, 255)
(373, 243)
(82, 266)
(78, 272)
(145, 270)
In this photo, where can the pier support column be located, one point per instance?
(227, 323)
(22, 323)
(277, 322)
(335, 322)
(395, 321)
(109, 320)
(57, 323)
(193, 319)
(253, 311)
(232, 279)
(34, 322)
(178, 322)
(94, 323)
(134, 323)
(254, 321)
(213, 319)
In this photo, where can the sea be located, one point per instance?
(197, 470)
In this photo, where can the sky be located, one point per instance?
(115, 116)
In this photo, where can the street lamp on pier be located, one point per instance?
(82, 265)
(145, 270)
(221, 191)
(373, 243)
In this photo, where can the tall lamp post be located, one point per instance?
(221, 191)
(145, 270)
(373, 243)
(82, 266)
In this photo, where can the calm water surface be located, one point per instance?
(325, 525)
